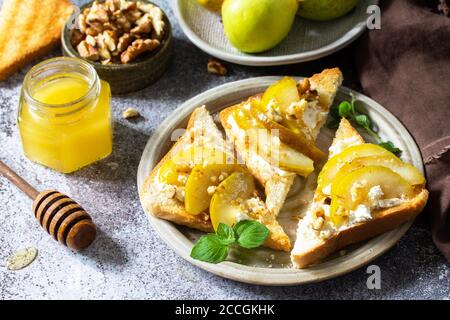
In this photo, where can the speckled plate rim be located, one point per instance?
(251, 60)
(258, 275)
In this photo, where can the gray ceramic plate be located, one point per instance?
(307, 40)
(266, 266)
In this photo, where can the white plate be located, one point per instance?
(307, 40)
(266, 266)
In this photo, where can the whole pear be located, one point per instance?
(257, 25)
(322, 10)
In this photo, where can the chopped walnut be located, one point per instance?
(303, 86)
(158, 22)
(110, 40)
(87, 51)
(145, 7)
(133, 16)
(124, 42)
(90, 40)
(97, 13)
(127, 5)
(82, 24)
(112, 27)
(216, 67)
(77, 37)
(144, 27)
(137, 48)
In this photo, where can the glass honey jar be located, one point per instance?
(64, 115)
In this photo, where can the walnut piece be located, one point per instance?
(216, 67)
(144, 27)
(87, 51)
(304, 86)
(109, 31)
(124, 42)
(77, 37)
(137, 48)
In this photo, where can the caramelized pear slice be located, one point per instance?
(269, 146)
(294, 138)
(281, 94)
(353, 189)
(197, 196)
(225, 203)
(405, 170)
(176, 169)
(331, 168)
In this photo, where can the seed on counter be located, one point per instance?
(130, 113)
(113, 165)
(21, 259)
(216, 67)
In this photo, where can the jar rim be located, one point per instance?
(92, 74)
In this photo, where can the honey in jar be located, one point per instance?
(64, 115)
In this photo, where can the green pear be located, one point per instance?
(323, 10)
(257, 25)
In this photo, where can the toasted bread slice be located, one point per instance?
(160, 200)
(313, 245)
(29, 29)
(276, 181)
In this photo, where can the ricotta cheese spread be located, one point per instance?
(252, 158)
(241, 216)
(361, 214)
(341, 145)
(376, 193)
(327, 190)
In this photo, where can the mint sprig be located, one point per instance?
(214, 247)
(250, 234)
(348, 110)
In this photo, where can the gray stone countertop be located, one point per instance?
(128, 260)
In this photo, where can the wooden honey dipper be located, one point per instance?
(64, 219)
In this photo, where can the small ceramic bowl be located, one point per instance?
(125, 78)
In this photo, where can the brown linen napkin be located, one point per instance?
(406, 67)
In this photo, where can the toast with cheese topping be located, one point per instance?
(363, 191)
(292, 114)
(168, 200)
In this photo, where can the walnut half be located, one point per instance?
(137, 48)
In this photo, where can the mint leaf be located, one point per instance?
(250, 233)
(210, 249)
(345, 109)
(363, 121)
(389, 146)
(225, 234)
